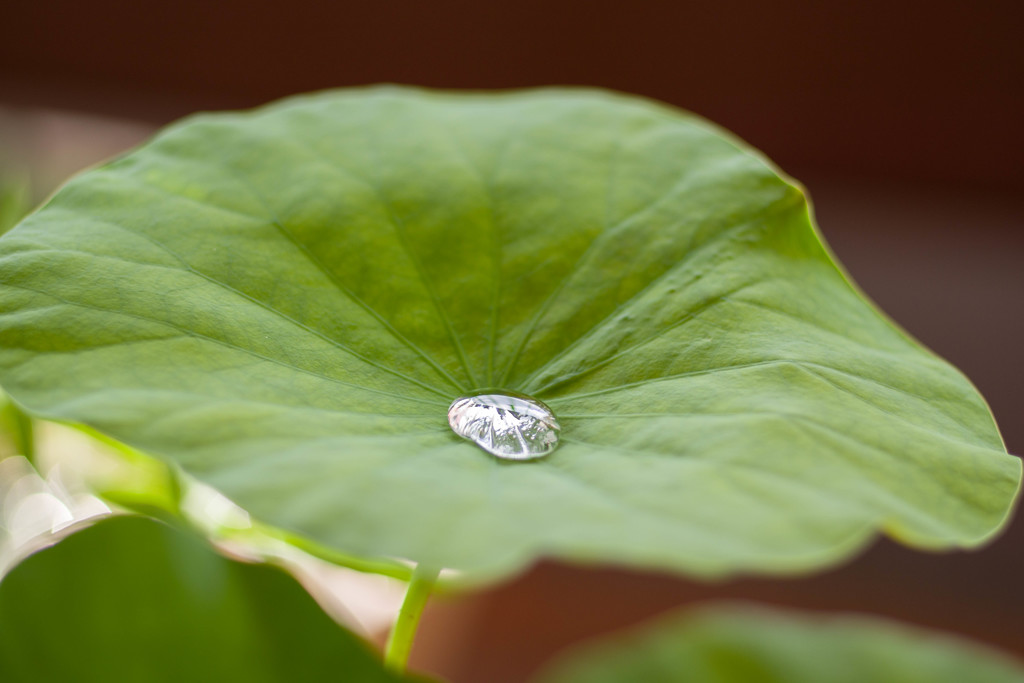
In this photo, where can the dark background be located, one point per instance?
(902, 118)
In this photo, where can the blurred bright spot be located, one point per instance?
(36, 514)
(211, 510)
(34, 510)
(371, 600)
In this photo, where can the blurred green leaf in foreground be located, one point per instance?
(132, 599)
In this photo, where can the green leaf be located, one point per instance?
(15, 427)
(286, 301)
(14, 202)
(132, 599)
(747, 645)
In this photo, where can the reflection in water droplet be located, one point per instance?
(510, 426)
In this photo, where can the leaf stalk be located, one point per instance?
(399, 645)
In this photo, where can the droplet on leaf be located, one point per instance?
(509, 426)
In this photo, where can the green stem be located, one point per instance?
(396, 654)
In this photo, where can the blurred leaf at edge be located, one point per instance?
(131, 599)
(743, 644)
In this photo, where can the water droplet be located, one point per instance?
(510, 426)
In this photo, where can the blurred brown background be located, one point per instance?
(904, 119)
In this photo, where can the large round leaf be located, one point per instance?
(286, 301)
(744, 645)
(132, 600)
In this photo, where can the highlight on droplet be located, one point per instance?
(507, 425)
